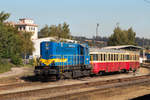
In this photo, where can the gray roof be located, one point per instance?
(127, 47)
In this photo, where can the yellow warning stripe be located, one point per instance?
(49, 61)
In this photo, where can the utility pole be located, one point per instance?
(143, 51)
(97, 29)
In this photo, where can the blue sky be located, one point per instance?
(82, 15)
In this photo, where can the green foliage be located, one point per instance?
(4, 16)
(27, 44)
(60, 31)
(16, 59)
(122, 37)
(13, 43)
(5, 65)
(10, 41)
(31, 61)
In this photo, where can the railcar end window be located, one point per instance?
(95, 57)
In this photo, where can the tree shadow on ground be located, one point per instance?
(145, 97)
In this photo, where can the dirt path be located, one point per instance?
(14, 76)
(14, 71)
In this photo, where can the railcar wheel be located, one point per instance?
(101, 73)
(134, 70)
(123, 71)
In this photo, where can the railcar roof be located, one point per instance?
(110, 50)
(126, 47)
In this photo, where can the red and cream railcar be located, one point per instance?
(113, 60)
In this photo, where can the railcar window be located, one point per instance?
(111, 57)
(137, 57)
(114, 57)
(104, 57)
(101, 57)
(121, 57)
(117, 57)
(127, 57)
(95, 57)
(134, 57)
(91, 57)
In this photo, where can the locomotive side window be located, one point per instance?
(82, 50)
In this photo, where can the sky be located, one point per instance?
(83, 15)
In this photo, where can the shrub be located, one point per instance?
(17, 60)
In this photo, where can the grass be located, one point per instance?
(6, 65)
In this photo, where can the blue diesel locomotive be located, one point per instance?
(63, 60)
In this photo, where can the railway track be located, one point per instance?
(56, 92)
(50, 82)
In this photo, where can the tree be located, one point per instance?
(60, 31)
(4, 16)
(122, 37)
(131, 36)
(13, 44)
(44, 32)
(27, 44)
(10, 43)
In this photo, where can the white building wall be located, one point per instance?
(35, 34)
(37, 42)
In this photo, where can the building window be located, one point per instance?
(24, 28)
(20, 28)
